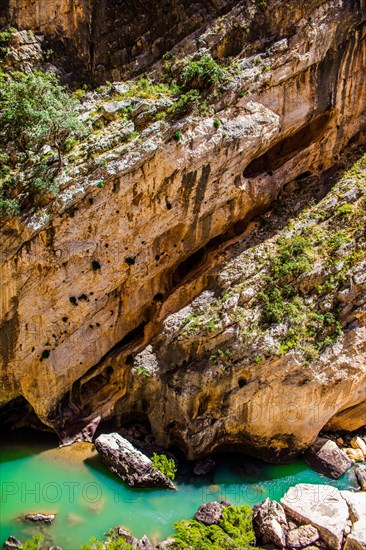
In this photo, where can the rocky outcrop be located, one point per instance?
(270, 523)
(322, 506)
(326, 458)
(356, 539)
(316, 516)
(87, 283)
(129, 464)
(361, 476)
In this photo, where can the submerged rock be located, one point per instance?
(209, 513)
(205, 466)
(41, 518)
(12, 543)
(325, 457)
(129, 464)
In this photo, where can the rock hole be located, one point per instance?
(287, 148)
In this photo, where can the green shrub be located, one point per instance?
(216, 123)
(177, 136)
(234, 532)
(345, 210)
(202, 74)
(185, 103)
(5, 35)
(35, 543)
(8, 207)
(35, 111)
(165, 465)
(113, 542)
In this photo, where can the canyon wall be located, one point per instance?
(86, 292)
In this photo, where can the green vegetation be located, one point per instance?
(295, 281)
(177, 136)
(5, 35)
(113, 542)
(141, 371)
(36, 112)
(35, 543)
(202, 74)
(234, 531)
(216, 123)
(165, 465)
(146, 88)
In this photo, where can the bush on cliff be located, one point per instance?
(202, 74)
(34, 112)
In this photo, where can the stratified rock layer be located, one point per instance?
(86, 289)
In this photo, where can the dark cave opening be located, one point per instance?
(188, 265)
(284, 150)
(19, 413)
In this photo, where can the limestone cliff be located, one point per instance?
(87, 285)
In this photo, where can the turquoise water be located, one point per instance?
(71, 482)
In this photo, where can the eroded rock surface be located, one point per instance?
(88, 283)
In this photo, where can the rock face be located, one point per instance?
(127, 463)
(326, 458)
(104, 42)
(85, 289)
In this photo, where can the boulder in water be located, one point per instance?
(325, 457)
(41, 518)
(129, 464)
(12, 543)
(205, 466)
